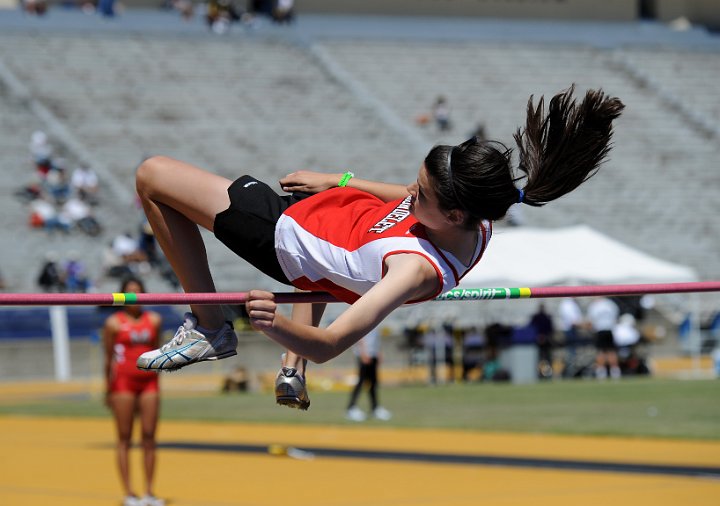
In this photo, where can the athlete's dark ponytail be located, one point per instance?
(558, 151)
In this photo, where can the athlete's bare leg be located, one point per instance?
(177, 197)
(149, 409)
(123, 408)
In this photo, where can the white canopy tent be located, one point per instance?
(578, 255)
(573, 255)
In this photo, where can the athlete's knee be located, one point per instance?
(148, 438)
(149, 175)
(124, 439)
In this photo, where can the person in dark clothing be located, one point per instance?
(543, 325)
(368, 356)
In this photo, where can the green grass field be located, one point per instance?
(631, 407)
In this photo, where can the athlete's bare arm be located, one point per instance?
(408, 277)
(314, 182)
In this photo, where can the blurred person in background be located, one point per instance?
(76, 277)
(51, 276)
(56, 183)
(367, 351)
(544, 331)
(441, 114)
(571, 321)
(284, 11)
(439, 346)
(41, 151)
(84, 182)
(603, 316)
(127, 334)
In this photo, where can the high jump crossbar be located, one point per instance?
(235, 298)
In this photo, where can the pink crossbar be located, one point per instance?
(119, 299)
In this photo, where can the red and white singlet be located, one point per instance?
(338, 239)
(132, 340)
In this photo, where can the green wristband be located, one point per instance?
(345, 179)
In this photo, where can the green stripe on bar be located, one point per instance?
(130, 298)
(485, 294)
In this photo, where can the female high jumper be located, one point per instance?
(373, 245)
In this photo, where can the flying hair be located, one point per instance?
(563, 149)
(558, 150)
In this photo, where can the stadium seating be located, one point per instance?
(271, 105)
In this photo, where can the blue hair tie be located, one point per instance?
(521, 196)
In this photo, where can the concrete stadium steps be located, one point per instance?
(483, 82)
(690, 77)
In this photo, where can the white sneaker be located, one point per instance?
(190, 346)
(381, 413)
(151, 500)
(356, 414)
(132, 500)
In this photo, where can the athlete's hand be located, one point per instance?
(261, 309)
(307, 181)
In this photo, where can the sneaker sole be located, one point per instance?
(227, 354)
(285, 396)
(292, 402)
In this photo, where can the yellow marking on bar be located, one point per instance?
(525, 293)
(118, 299)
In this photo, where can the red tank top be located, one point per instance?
(134, 338)
(338, 239)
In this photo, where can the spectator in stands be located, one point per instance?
(130, 392)
(603, 315)
(284, 11)
(56, 184)
(44, 214)
(76, 277)
(78, 214)
(51, 277)
(542, 323)
(84, 183)
(35, 7)
(123, 257)
(127, 248)
(106, 8)
(367, 352)
(441, 114)
(41, 152)
(220, 15)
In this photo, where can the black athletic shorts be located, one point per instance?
(604, 340)
(247, 227)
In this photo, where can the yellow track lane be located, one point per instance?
(71, 462)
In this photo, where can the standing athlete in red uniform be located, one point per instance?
(128, 334)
